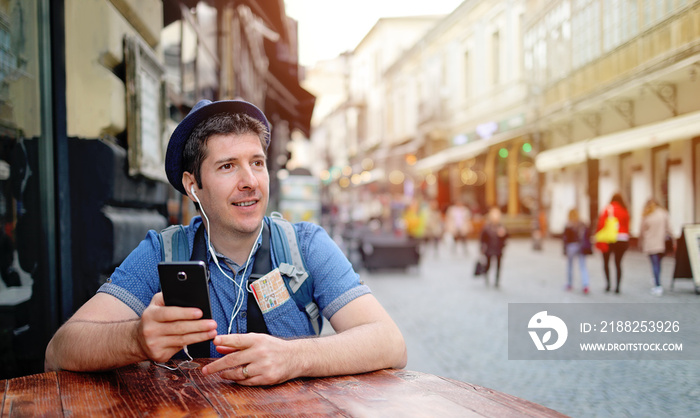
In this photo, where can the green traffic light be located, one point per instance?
(503, 153)
(527, 147)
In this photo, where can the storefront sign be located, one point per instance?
(145, 111)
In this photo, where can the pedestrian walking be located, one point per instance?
(577, 245)
(655, 230)
(396, 211)
(458, 223)
(414, 219)
(434, 225)
(612, 237)
(493, 239)
(539, 230)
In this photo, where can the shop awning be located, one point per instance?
(466, 151)
(450, 155)
(395, 150)
(646, 136)
(559, 157)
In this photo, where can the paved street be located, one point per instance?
(456, 327)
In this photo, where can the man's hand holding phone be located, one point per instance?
(165, 330)
(185, 299)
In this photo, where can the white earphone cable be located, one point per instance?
(238, 305)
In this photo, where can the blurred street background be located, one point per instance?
(456, 326)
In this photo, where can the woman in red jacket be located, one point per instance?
(618, 209)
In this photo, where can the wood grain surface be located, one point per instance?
(145, 389)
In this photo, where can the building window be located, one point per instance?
(467, 74)
(619, 22)
(586, 30)
(611, 27)
(496, 56)
(559, 39)
(657, 10)
(28, 234)
(647, 16)
(444, 77)
(548, 45)
(630, 19)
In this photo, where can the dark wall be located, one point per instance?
(110, 212)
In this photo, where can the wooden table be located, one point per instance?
(145, 389)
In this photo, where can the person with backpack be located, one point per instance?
(217, 157)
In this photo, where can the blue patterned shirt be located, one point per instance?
(335, 283)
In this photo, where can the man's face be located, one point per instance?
(235, 184)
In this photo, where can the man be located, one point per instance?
(217, 157)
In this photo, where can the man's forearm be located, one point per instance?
(81, 345)
(364, 348)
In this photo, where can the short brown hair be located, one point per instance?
(195, 150)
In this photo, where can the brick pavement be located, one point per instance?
(456, 327)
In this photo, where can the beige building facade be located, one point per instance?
(351, 134)
(618, 101)
(473, 111)
(538, 107)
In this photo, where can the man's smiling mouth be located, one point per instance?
(249, 203)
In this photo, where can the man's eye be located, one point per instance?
(226, 166)
(259, 164)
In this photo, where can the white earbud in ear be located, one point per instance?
(194, 194)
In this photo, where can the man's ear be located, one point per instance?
(188, 182)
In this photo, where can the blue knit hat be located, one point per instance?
(200, 112)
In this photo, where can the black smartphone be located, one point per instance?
(186, 284)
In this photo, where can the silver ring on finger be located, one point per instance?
(245, 372)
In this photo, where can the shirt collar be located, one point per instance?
(197, 221)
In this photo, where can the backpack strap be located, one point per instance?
(291, 264)
(199, 247)
(261, 266)
(284, 239)
(173, 244)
